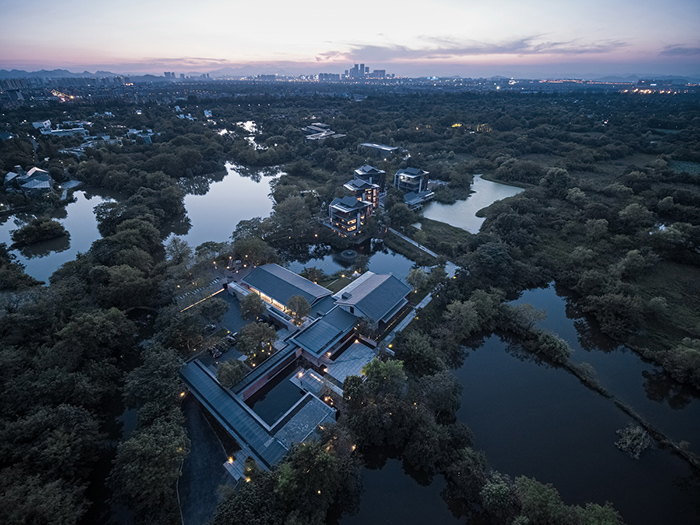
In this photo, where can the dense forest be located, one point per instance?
(611, 211)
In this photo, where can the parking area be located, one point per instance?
(194, 291)
(231, 323)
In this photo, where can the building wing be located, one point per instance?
(281, 284)
(376, 297)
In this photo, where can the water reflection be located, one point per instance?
(534, 420)
(238, 195)
(45, 248)
(660, 387)
(668, 405)
(77, 217)
(385, 261)
(200, 184)
(391, 496)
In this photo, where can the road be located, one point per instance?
(203, 471)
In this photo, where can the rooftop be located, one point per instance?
(414, 172)
(351, 361)
(233, 414)
(369, 170)
(359, 184)
(325, 331)
(348, 204)
(375, 296)
(282, 284)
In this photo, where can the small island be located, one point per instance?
(38, 230)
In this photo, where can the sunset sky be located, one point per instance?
(439, 37)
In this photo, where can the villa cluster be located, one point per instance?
(33, 182)
(348, 215)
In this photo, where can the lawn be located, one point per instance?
(408, 250)
(679, 284)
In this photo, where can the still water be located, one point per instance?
(44, 258)
(392, 496)
(215, 208)
(534, 420)
(462, 214)
(385, 261)
(665, 403)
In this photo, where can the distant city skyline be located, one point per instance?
(539, 38)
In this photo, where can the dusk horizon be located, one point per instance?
(539, 40)
(310, 264)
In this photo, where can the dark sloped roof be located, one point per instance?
(411, 197)
(325, 331)
(36, 184)
(281, 284)
(350, 203)
(232, 414)
(369, 169)
(412, 171)
(376, 296)
(359, 184)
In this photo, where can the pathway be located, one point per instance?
(409, 317)
(414, 243)
(450, 267)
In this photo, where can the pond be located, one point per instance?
(214, 208)
(214, 213)
(665, 403)
(535, 420)
(462, 214)
(44, 258)
(385, 261)
(392, 496)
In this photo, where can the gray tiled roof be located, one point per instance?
(282, 284)
(412, 171)
(369, 170)
(37, 184)
(232, 414)
(311, 413)
(325, 331)
(359, 184)
(376, 296)
(350, 203)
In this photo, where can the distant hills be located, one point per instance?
(248, 70)
(54, 73)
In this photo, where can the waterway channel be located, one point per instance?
(535, 420)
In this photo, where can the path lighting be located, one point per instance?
(182, 394)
